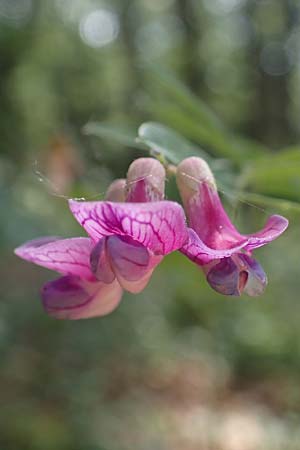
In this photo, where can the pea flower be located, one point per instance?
(214, 243)
(127, 240)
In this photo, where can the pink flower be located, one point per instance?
(126, 242)
(214, 243)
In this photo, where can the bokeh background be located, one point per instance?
(178, 366)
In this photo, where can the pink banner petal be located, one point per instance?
(159, 226)
(208, 218)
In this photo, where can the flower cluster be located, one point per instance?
(131, 231)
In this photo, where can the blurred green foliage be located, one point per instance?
(86, 86)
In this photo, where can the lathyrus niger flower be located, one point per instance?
(214, 243)
(129, 234)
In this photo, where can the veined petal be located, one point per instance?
(201, 254)
(159, 226)
(69, 297)
(132, 262)
(66, 256)
(274, 227)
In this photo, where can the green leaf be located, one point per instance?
(282, 205)
(277, 175)
(166, 142)
(185, 97)
(217, 144)
(120, 135)
(191, 116)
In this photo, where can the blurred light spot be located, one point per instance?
(274, 59)
(99, 27)
(158, 36)
(15, 12)
(222, 6)
(242, 430)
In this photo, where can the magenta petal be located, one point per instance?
(209, 219)
(100, 262)
(159, 226)
(274, 227)
(66, 256)
(201, 254)
(70, 298)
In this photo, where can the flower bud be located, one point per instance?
(145, 181)
(191, 174)
(116, 191)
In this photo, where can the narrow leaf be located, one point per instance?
(167, 142)
(121, 135)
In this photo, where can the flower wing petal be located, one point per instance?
(66, 256)
(274, 227)
(159, 226)
(69, 297)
